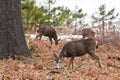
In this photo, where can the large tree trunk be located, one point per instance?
(12, 39)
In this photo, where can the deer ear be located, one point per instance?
(55, 57)
(59, 39)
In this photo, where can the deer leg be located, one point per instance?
(56, 41)
(40, 37)
(71, 62)
(96, 57)
(50, 40)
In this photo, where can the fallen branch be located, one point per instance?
(113, 57)
(79, 66)
(54, 71)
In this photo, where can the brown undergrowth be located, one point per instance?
(42, 62)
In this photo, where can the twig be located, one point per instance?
(79, 66)
(113, 57)
(54, 71)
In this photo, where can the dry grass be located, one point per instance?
(42, 63)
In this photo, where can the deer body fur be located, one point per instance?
(48, 31)
(77, 48)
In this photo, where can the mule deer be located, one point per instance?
(87, 33)
(77, 48)
(47, 31)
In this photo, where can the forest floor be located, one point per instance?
(42, 65)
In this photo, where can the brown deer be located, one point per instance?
(77, 48)
(48, 31)
(87, 33)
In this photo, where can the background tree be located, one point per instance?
(102, 16)
(33, 15)
(78, 17)
(50, 2)
(48, 15)
(61, 16)
(12, 40)
(30, 13)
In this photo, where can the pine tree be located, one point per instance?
(12, 39)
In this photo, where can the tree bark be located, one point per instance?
(103, 26)
(12, 39)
